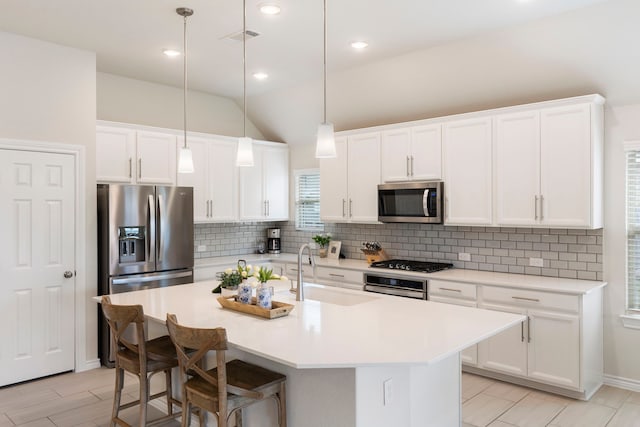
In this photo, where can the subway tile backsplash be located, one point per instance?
(575, 254)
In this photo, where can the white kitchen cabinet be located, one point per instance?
(468, 172)
(125, 155)
(549, 167)
(412, 153)
(545, 348)
(214, 180)
(264, 187)
(354, 199)
(464, 294)
(339, 277)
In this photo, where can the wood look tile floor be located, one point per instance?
(84, 399)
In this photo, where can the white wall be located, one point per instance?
(49, 94)
(121, 99)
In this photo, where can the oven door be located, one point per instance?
(394, 285)
(419, 201)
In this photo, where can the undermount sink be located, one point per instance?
(336, 297)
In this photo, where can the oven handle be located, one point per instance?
(395, 291)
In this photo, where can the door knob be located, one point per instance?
(68, 274)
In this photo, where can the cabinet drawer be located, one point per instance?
(452, 289)
(339, 275)
(292, 271)
(526, 298)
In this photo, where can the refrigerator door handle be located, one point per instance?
(151, 230)
(150, 278)
(160, 221)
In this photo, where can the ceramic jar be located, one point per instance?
(263, 296)
(244, 292)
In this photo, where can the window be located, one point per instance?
(633, 225)
(308, 200)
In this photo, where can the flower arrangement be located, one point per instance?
(231, 278)
(265, 274)
(322, 239)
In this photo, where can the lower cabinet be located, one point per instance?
(349, 279)
(547, 347)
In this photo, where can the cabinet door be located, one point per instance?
(363, 172)
(252, 203)
(115, 154)
(223, 181)
(395, 149)
(517, 167)
(467, 168)
(426, 152)
(507, 351)
(156, 153)
(468, 356)
(566, 166)
(333, 185)
(554, 348)
(198, 179)
(276, 183)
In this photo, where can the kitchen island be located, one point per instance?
(351, 358)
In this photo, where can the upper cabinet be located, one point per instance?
(349, 182)
(411, 153)
(214, 180)
(549, 167)
(468, 172)
(264, 188)
(125, 155)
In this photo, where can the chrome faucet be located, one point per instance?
(300, 286)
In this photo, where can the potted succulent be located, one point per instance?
(322, 240)
(229, 281)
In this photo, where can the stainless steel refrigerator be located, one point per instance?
(145, 240)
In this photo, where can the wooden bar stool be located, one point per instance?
(229, 387)
(143, 360)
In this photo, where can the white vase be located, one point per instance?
(227, 292)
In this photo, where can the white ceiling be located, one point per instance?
(128, 36)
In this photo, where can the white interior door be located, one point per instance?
(37, 196)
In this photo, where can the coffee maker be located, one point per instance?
(273, 240)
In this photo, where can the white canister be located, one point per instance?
(244, 292)
(263, 296)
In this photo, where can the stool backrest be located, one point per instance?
(119, 317)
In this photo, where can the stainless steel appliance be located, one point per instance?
(398, 284)
(145, 240)
(415, 201)
(273, 240)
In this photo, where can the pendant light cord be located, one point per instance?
(244, 67)
(324, 69)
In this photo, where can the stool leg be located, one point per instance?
(282, 405)
(117, 395)
(169, 395)
(186, 413)
(144, 398)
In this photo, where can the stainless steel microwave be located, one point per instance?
(411, 201)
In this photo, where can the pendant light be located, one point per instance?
(185, 159)
(244, 156)
(325, 144)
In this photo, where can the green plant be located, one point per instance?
(263, 275)
(229, 279)
(322, 239)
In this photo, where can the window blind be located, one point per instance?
(308, 200)
(633, 226)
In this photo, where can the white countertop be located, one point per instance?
(382, 331)
(518, 281)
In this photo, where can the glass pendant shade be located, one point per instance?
(326, 143)
(185, 161)
(244, 156)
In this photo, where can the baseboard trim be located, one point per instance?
(88, 365)
(621, 382)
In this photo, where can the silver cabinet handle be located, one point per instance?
(528, 329)
(411, 165)
(130, 168)
(268, 208)
(535, 208)
(522, 331)
(344, 202)
(541, 207)
(446, 208)
(336, 275)
(408, 167)
(451, 290)
(526, 299)
(350, 208)
(140, 168)
(68, 274)
(209, 208)
(264, 208)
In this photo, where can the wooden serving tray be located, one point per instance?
(279, 309)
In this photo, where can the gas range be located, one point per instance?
(417, 266)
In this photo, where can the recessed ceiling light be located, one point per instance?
(359, 45)
(269, 8)
(171, 53)
(260, 75)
